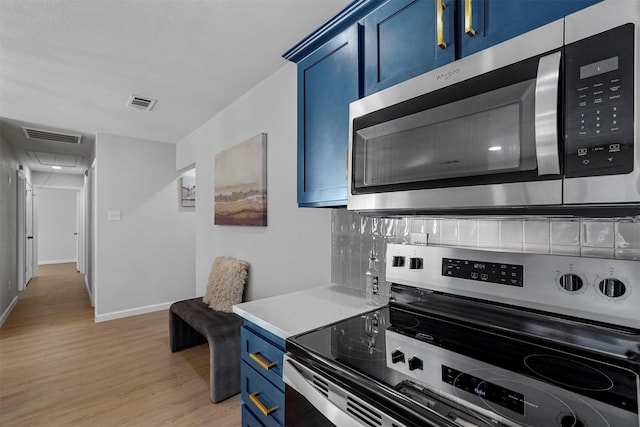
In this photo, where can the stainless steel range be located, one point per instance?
(477, 338)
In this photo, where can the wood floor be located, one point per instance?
(59, 368)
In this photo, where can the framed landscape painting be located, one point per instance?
(188, 190)
(241, 183)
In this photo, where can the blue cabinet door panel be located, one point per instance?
(248, 419)
(495, 21)
(401, 41)
(263, 352)
(327, 82)
(258, 392)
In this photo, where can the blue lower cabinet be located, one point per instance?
(263, 400)
(263, 355)
(262, 387)
(248, 419)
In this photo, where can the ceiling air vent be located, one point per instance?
(141, 103)
(47, 135)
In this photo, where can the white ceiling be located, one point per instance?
(71, 65)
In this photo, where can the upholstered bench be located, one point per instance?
(192, 322)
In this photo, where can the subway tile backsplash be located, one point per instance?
(355, 235)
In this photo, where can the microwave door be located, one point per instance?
(498, 147)
(486, 134)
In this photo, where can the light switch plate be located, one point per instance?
(114, 215)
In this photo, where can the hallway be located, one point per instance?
(59, 368)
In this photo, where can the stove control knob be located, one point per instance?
(415, 263)
(571, 282)
(397, 356)
(415, 363)
(612, 288)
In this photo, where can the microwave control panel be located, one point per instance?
(599, 91)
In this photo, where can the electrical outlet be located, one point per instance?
(113, 216)
(9, 284)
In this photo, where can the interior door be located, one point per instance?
(22, 233)
(29, 246)
(80, 226)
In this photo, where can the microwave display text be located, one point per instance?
(600, 67)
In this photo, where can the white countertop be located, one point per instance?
(296, 312)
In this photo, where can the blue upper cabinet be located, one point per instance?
(405, 38)
(484, 23)
(374, 44)
(328, 80)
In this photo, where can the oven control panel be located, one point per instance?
(598, 289)
(502, 274)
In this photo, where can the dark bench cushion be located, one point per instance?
(192, 322)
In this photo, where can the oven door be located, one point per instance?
(299, 412)
(314, 399)
(477, 133)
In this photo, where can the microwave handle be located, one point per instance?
(546, 114)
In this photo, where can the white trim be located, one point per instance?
(132, 312)
(7, 312)
(57, 187)
(86, 284)
(58, 261)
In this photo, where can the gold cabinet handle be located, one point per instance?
(266, 411)
(260, 361)
(468, 18)
(440, 5)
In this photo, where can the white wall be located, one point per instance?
(8, 227)
(57, 225)
(57, 180)
(145, 260)
(293, 251)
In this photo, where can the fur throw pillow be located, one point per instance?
(226, 283)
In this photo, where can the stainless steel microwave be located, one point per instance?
(546, 120)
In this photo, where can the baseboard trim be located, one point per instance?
(131, 312)
(7, 312)
(57, 261)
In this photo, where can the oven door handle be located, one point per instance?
(293, 377)
(546, 114)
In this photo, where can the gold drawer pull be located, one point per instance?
(266, 365)
(440, 6)
(266, 411)
(468, 19)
